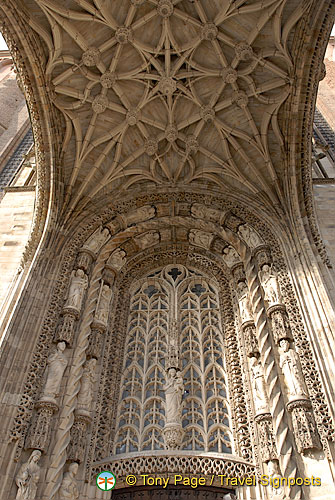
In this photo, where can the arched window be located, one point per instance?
(176, 311)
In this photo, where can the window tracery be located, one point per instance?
(174, 320)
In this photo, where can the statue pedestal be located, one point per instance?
(173, 436)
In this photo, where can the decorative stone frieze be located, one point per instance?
(40, 429)
(304, 426)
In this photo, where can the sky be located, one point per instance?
(4, 46)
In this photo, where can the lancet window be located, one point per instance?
(174, 322)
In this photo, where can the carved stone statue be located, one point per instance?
(260, 396)
(69, 489)
(200, 238)
(28, 477)
(117, 259)
(270, 285)
(97, 240)
(244, 302)
(291, 366)
(56, 365)
(148, 239)
(199, 211)
(78, 285)
(85, 394)
(250, 236)
(173, 397)
(102, 311)
(140, 214)
(230, 256)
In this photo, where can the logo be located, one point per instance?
(106, 481)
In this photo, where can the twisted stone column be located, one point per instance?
(283, 439)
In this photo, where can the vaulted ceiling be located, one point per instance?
(169, 92)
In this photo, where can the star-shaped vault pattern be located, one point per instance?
(170, 92)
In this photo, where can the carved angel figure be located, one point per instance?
(97, 240)
(199, 211)
(250, 236)
(140, 214)
(78, 285)
(69, 489)
(117, 259)
(28, 477)
(244, 302)
(56, 365)
(230, 256)
(173, 396)
(85, 394)
(148, 239)
(270, 285)
(200, 238)
(290, 364)
(101, 314)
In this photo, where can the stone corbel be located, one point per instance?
(40, 429)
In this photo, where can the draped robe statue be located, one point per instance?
(291, 366)
(173, 397)
(57, 363)
(69, 489)
(28, 477)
